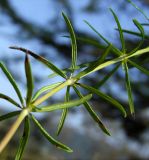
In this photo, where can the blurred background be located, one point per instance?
(38, 25)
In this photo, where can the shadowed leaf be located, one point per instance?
(12, 81)
(73, 42)
(49, 137)
(120, 32)
(64, 112)
(107, 77)
(105, 97)
(9, 115)
(29, 78)
(23, 140)
(145, 71)
(7, 98)
(128, 87)
(92, 113)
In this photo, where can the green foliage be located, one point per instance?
(33, 101)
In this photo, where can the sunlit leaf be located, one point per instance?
(42, 60)
(29, 78)
(93, 113)
(9, 115)
(44, 89)
(72, 103)
(49, 137)
(105, 97)
(23, 140)
(73, 41)
(12, 81)
(120, 31)
(7, 98)
(64, 112)
(128, 86)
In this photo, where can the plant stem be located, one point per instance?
(13, 129)
(56, 89)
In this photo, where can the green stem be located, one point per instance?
(56, 89)
(13, 129)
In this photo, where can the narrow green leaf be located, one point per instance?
(49, 137)
(44, 89)
(64, 112)
(135, 33)
(120, 32)
(9, 115)
(23, 140)
(91, 41)
(145, 71)
(107, 77)
(12, 81)
(7, 98)
(30, 82)
(141, 29)
(104, 55)
(128, 87)
(105, 97)
(114, 49)
(64, 105)
(73, 41)
(139, 9)
(93, 113)
(42, 60)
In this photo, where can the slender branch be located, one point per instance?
(56, 89)
(13, 129)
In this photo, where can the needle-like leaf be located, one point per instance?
(73, 41)
(105, 97)
(23, 140)
(120, 32)
(128, 87)
(9, 115)
(64, 112)
(49, 137)
(114, 49)
(145, 71)
(93, 113)
(107, 77)
(42, 60)
(7, 98)
(135, 33)
(44, 89)
(64, 105)
(29, 79)
(141, 29)
(139, 9)
(12, 81)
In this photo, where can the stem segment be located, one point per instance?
(56, 89)
(13, 129)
